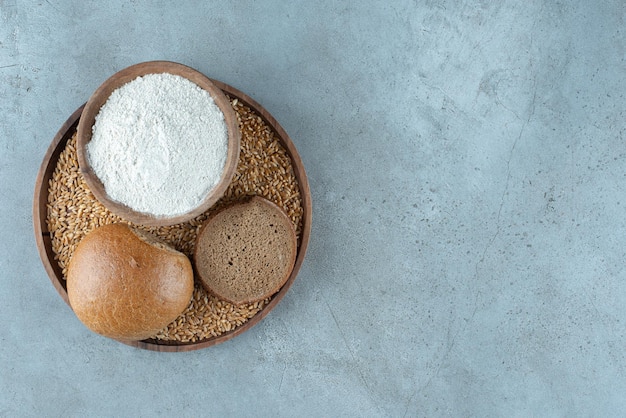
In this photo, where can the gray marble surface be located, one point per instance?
(467, 162)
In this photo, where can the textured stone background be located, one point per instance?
(467, 162)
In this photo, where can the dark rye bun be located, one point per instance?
(125, 284)
(246, 252)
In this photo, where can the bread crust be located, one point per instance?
(126, 286)
(246, 252)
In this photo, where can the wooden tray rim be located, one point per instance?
(43, 240)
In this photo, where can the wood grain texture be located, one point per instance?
(99, 98)
(40, 201)
(54, 272)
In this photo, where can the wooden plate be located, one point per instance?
(44, 241)
(99, 98)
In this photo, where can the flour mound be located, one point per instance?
(159, 145)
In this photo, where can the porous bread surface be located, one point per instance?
(246, 252)
(127, 287)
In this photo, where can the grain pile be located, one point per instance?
(264, 169)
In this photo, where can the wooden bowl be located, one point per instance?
(44, 240)
(99, 98)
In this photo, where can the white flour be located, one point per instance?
(159, 144)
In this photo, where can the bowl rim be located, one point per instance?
(99, 97)
(44, 241)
